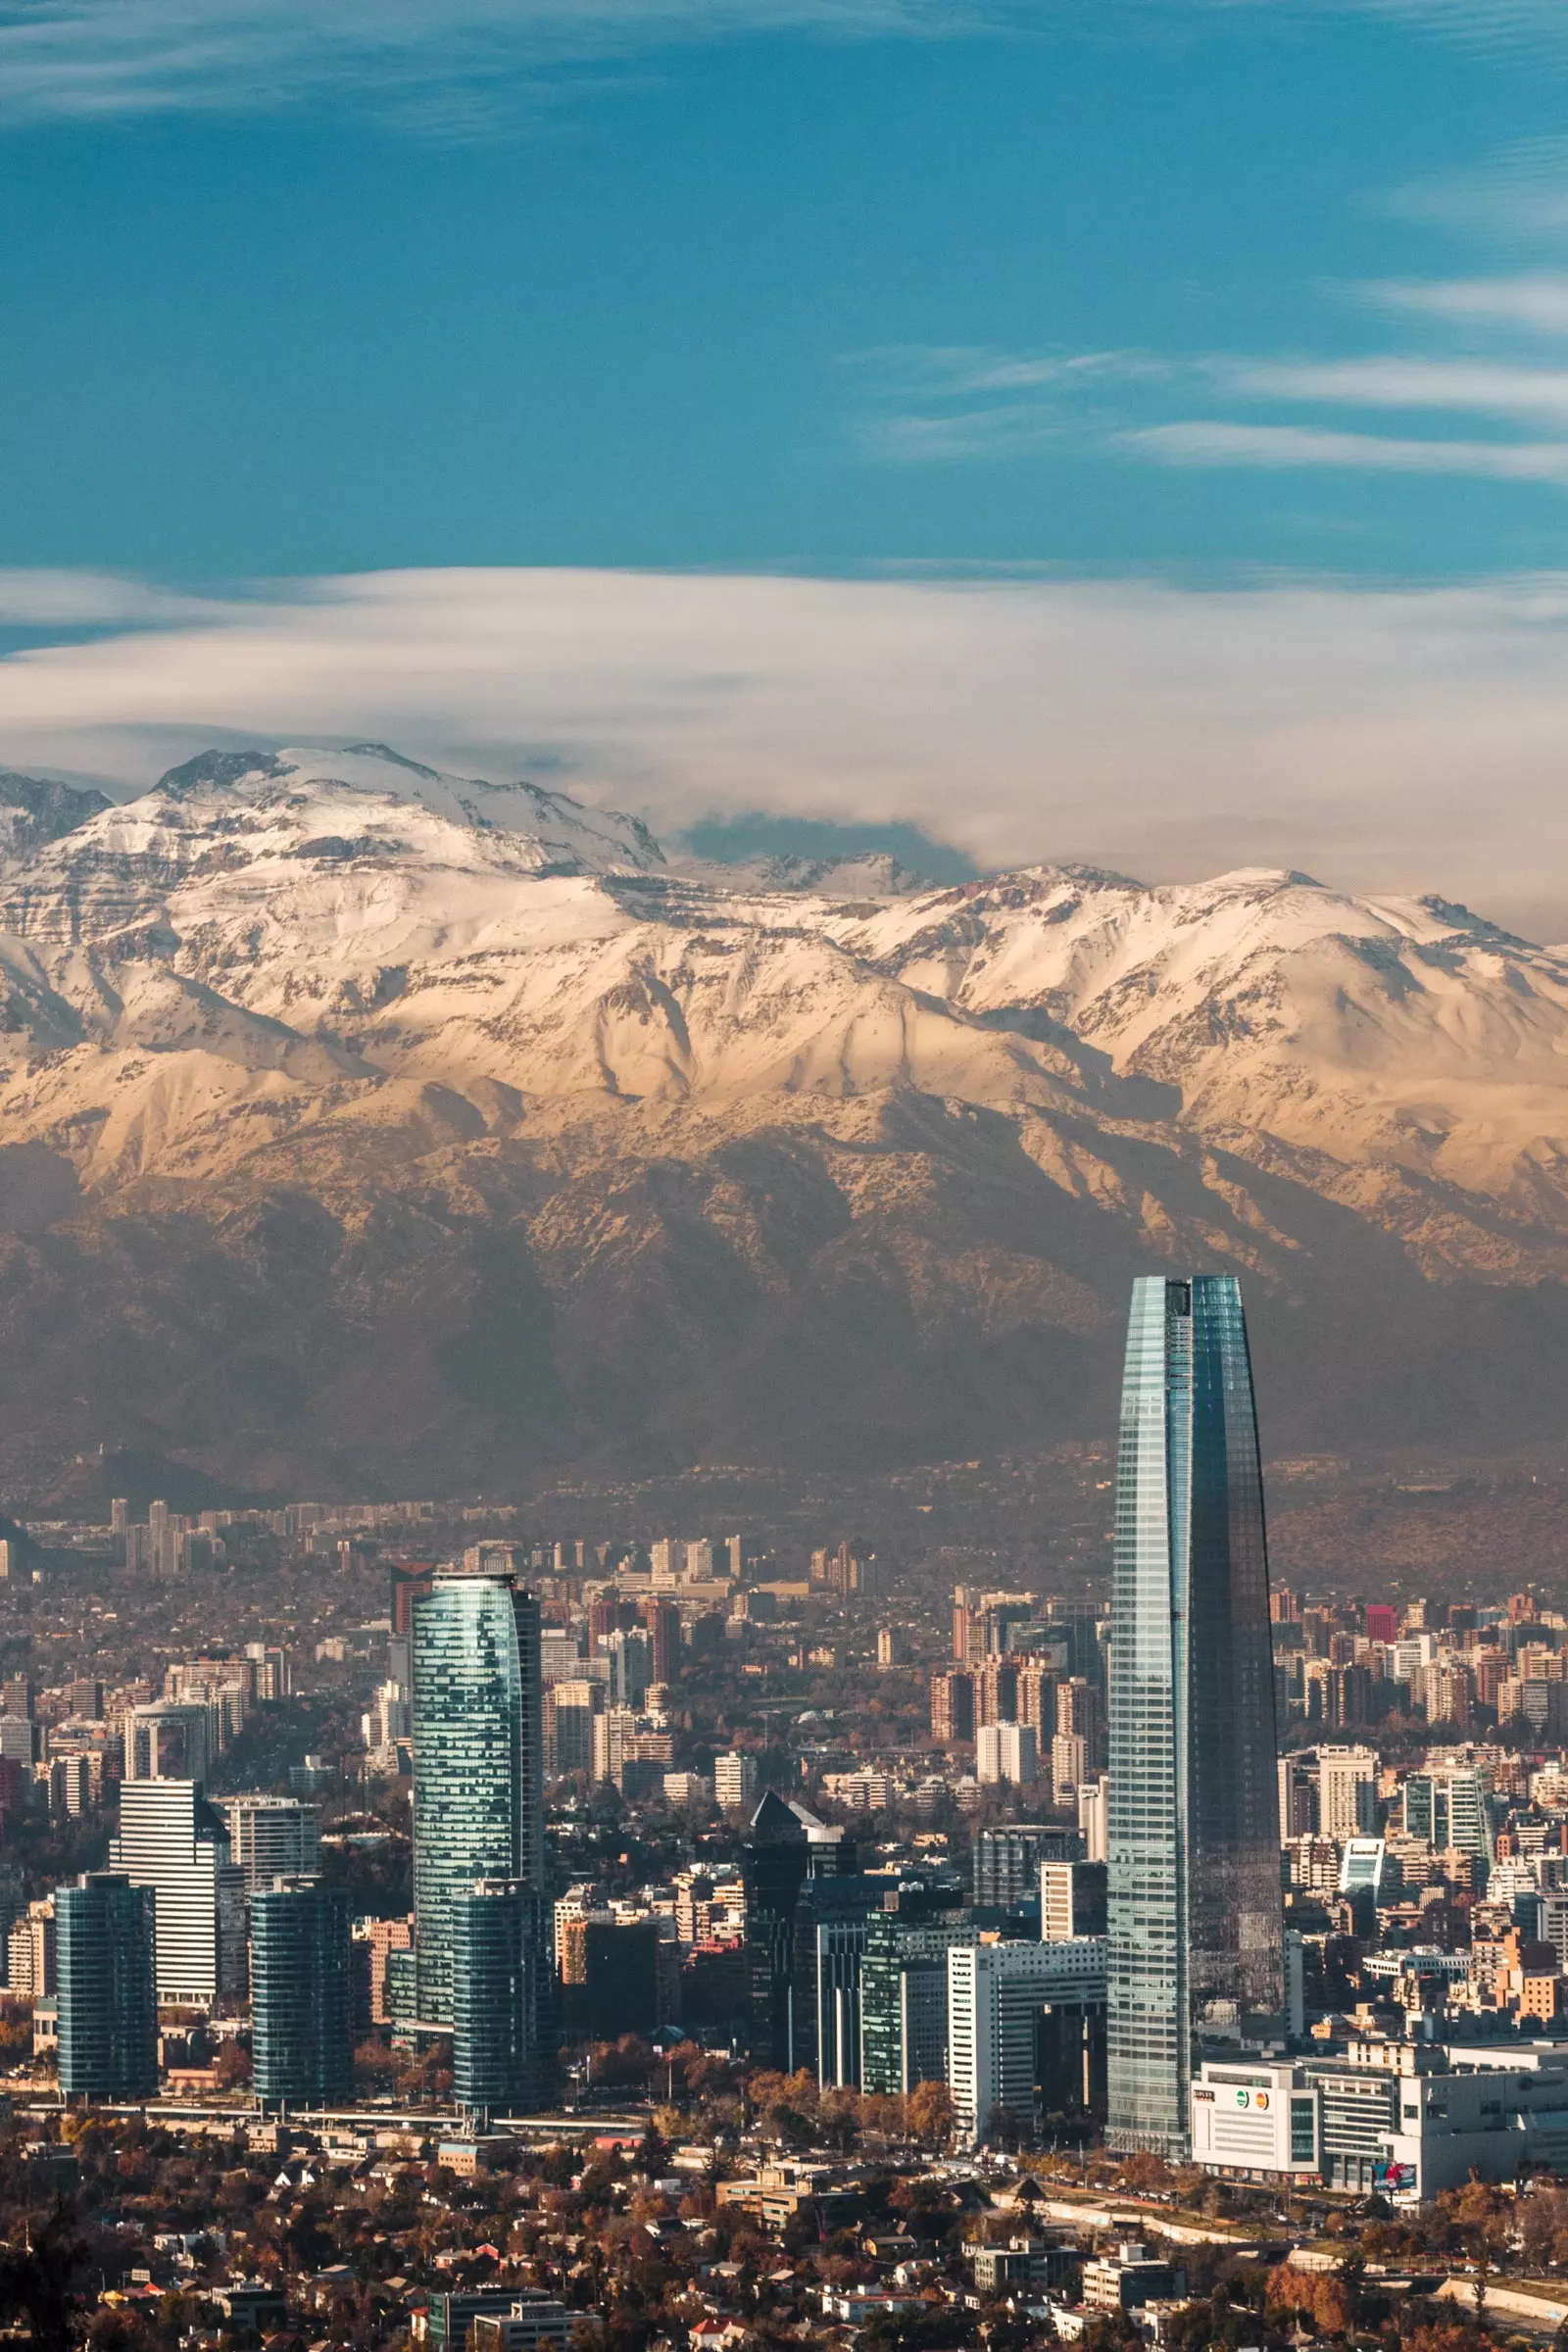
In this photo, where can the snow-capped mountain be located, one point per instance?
(359, 1120)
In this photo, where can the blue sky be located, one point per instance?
(817, 297)
(1204, 299)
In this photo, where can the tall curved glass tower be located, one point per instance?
(1196, 1925)
(478, 1760)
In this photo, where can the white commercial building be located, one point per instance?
(1346, 1792)
(172, 1840)
(995, 1992)
(1254, 2115)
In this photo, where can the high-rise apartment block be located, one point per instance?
(1006, 1751)
(734, 1780)
(952, 1714)
(273, 1838)
(1195, 1916)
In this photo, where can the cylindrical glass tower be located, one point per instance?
(478, 1760)
(1196, 1925)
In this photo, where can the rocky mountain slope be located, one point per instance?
(364, 1127)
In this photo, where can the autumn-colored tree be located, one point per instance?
(930, 2115)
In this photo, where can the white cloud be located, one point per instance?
(1537, 304)
(1390, 382)
(1398, 741)
(1217, 443)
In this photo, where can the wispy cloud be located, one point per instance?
(1292, 446)
(1166, 732)
(110, 57)
(953, 405)
(453, 58)
(1535, 305)
(1387, 380)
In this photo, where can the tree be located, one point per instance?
(930, 2115)
(41, 2279)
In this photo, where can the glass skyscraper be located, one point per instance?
(478, 1759)
(1195, 1925)
(108, 2001)
(302, 2001)
(501, 1999)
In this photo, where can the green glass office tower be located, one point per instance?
(1196, 1926)
(501, 1997)
(478, 1759)
(107, 1997)
(301, 2006)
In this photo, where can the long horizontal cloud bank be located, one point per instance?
(1407, 741)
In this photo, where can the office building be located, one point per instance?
(1346, 1792)
(1007, 1859)
(831, 1918)
(107, 2005)
(734, 1780)
(302, 2009)
(273, 1838)
(1072, 1901)
(1195, 1927)
(172, 1841)
(533, 2319)
(478, 1759)
(502, 1999)
(172, 1739)
(904, 2000)
(785, 1846)
(1006, 1752)
(1451, 1807)
(621, 1977)
(997, 1996)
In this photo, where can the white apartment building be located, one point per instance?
(734, 1780)
(273, 1838)
(995, 1993)
(1006, 1751)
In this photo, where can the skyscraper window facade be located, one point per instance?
(108, 2003)
(478, 1759)
(499, 1999)
(302, 1994)
(1194, 1917)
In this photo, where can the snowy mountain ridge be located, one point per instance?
(586, 1142)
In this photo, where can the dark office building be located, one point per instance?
(785, 1846)
(107, 1990)
(621, 1965)
(302, 1994)
(502, 2004)
(1006, 1861)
